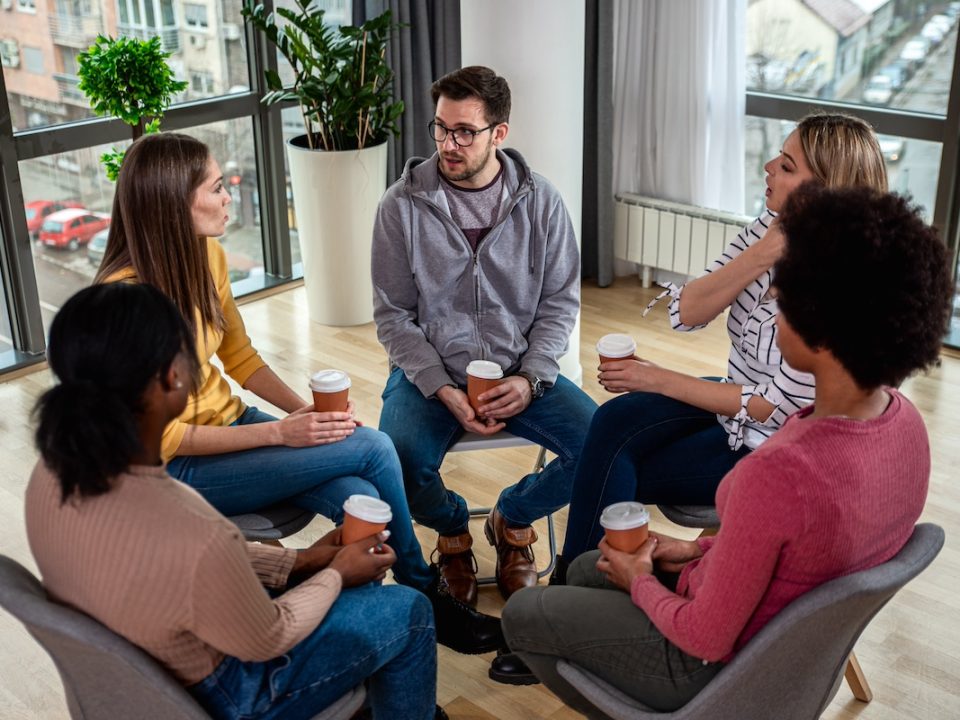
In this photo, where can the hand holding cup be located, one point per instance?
(482, 375)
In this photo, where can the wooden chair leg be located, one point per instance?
(857, 680)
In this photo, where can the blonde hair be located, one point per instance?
(842, 151)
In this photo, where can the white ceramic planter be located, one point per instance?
(335, 195)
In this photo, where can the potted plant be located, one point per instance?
(338, 167)
(128, 79)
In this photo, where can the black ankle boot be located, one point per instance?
(559, 574)
(460, 627)
(509, 669)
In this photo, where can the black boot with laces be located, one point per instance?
(459, 626)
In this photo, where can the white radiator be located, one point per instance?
(662, 235)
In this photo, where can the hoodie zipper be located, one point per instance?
(475, 254)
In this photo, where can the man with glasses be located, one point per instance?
(475, 258)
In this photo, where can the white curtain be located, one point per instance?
(679, 100)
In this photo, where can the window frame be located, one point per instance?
(944, 129)
(17, 272)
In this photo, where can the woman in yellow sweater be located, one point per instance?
(169, 207)
(117, 538)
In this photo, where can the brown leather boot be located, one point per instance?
(516, 567)
(458, 567)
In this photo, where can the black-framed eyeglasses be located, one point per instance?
(463, 137)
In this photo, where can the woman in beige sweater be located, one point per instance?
(116, 537)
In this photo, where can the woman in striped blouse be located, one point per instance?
(670, 438)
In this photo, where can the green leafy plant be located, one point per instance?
(341, 78)
(128, 79)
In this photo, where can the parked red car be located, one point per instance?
(38, 211)
(72, 228)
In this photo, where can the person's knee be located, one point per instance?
(612, 413)
(411, 606)
(520, 615)
(380, 444)
(583, 570)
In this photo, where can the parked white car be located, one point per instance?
(944, 22)
(933, 32)
(879, 90)
(915, 51)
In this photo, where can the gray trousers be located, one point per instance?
(596, 626)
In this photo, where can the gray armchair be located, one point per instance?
(104, 676)
(792, 668)
(272, 524)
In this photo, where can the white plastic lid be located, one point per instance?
(624, 516)
(371, 509)
(616, 345)
(485, 369)
(329, 381)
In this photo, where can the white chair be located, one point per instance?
(472, 442)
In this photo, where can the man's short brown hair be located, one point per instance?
(479, 82)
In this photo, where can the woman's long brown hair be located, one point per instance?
(151, 228)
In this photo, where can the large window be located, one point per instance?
(891, 61)
(912, 165)
(206, 42)
(882, 53)
(67, 202)
(6, 334)
(50, 146)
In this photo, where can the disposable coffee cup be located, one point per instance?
(626, 525)
(482, 375)
(616, 347)
(331, 390)
(363, 516)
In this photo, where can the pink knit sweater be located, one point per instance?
(154, 562)
(820, 499)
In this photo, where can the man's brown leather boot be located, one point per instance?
(516, 567)
(458, 567)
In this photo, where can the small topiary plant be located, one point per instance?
(128, 79)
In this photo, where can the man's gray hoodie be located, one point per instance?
(438, 305)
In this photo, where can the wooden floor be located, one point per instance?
(910, 653)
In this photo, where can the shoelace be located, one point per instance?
(440, 559)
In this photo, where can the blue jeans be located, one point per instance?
(646, 447)
(385, 634)
(423, 430)
(316, 478)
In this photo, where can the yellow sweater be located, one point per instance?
(214, 404)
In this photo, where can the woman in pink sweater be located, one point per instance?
(117, 538)
(864, 294)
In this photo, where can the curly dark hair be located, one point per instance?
(864, 277)
(479, 82)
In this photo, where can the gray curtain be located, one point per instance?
(596, 229)
(419, 54)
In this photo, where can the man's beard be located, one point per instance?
(469, 170)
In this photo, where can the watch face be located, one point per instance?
(537, 387)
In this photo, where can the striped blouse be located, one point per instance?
(754, 362)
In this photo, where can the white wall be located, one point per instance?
(538, 45)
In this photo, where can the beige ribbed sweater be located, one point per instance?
(154, 562)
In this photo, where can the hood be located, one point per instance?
(422, 176)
